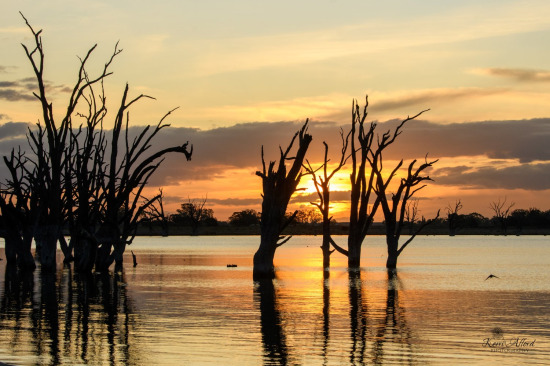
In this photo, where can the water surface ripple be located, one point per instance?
(182, 305)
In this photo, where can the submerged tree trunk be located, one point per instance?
(18, 235)
(10, 232)
(263, 260)
(67, 249)
(18, 250)
(85, 252)
(10, 248)
(111, 250)
(392, 243)
(46, 240)
(355, 241)
(102, 260)
(325, 246)
(118, 255)
(270, 235)
(25, 260)
(278, 187)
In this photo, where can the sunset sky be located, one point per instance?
(248, 73)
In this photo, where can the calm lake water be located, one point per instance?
(182, 305)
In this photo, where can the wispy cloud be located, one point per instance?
(315, 107)
(6, 69)
(22, 89)
(12, 30)
(523, 75)
(255, 52)
(16, 90)
(429, 97)
(13, 95)
(337, 106)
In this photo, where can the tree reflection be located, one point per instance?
(393, 328)
(45, 319)
(326, 315)
(66, 318)
(17, 294)
(358, 318)
(273, 334)
(383, 333)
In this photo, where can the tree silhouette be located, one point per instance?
(19, 218)
(278, 186)
(194, 214)
(361, 218)
(502, 211)
(453, 217)
(48, 145)
(322, 186)
(74, 178)
(128, 174)
(394, 211)
(369, 189)
(245, 218)
(411, 214)
(155, 214)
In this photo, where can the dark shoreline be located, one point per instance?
(337, 229)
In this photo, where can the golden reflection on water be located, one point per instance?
(376, 329)
(185, 306)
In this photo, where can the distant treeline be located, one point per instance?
(308, 222)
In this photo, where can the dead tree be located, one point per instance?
(50, 159)
(87, 171)
(278, 186)
(127, 175)
(50, 147)
(411, 214)
(394, 210)
(108, 202)
(364, 201)
(322, 186)
(453, 217)
(160, 215)
(155, 214)
(502, 212)
(195, 214)
(361, 218)
(19, 210)
(76, 183)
